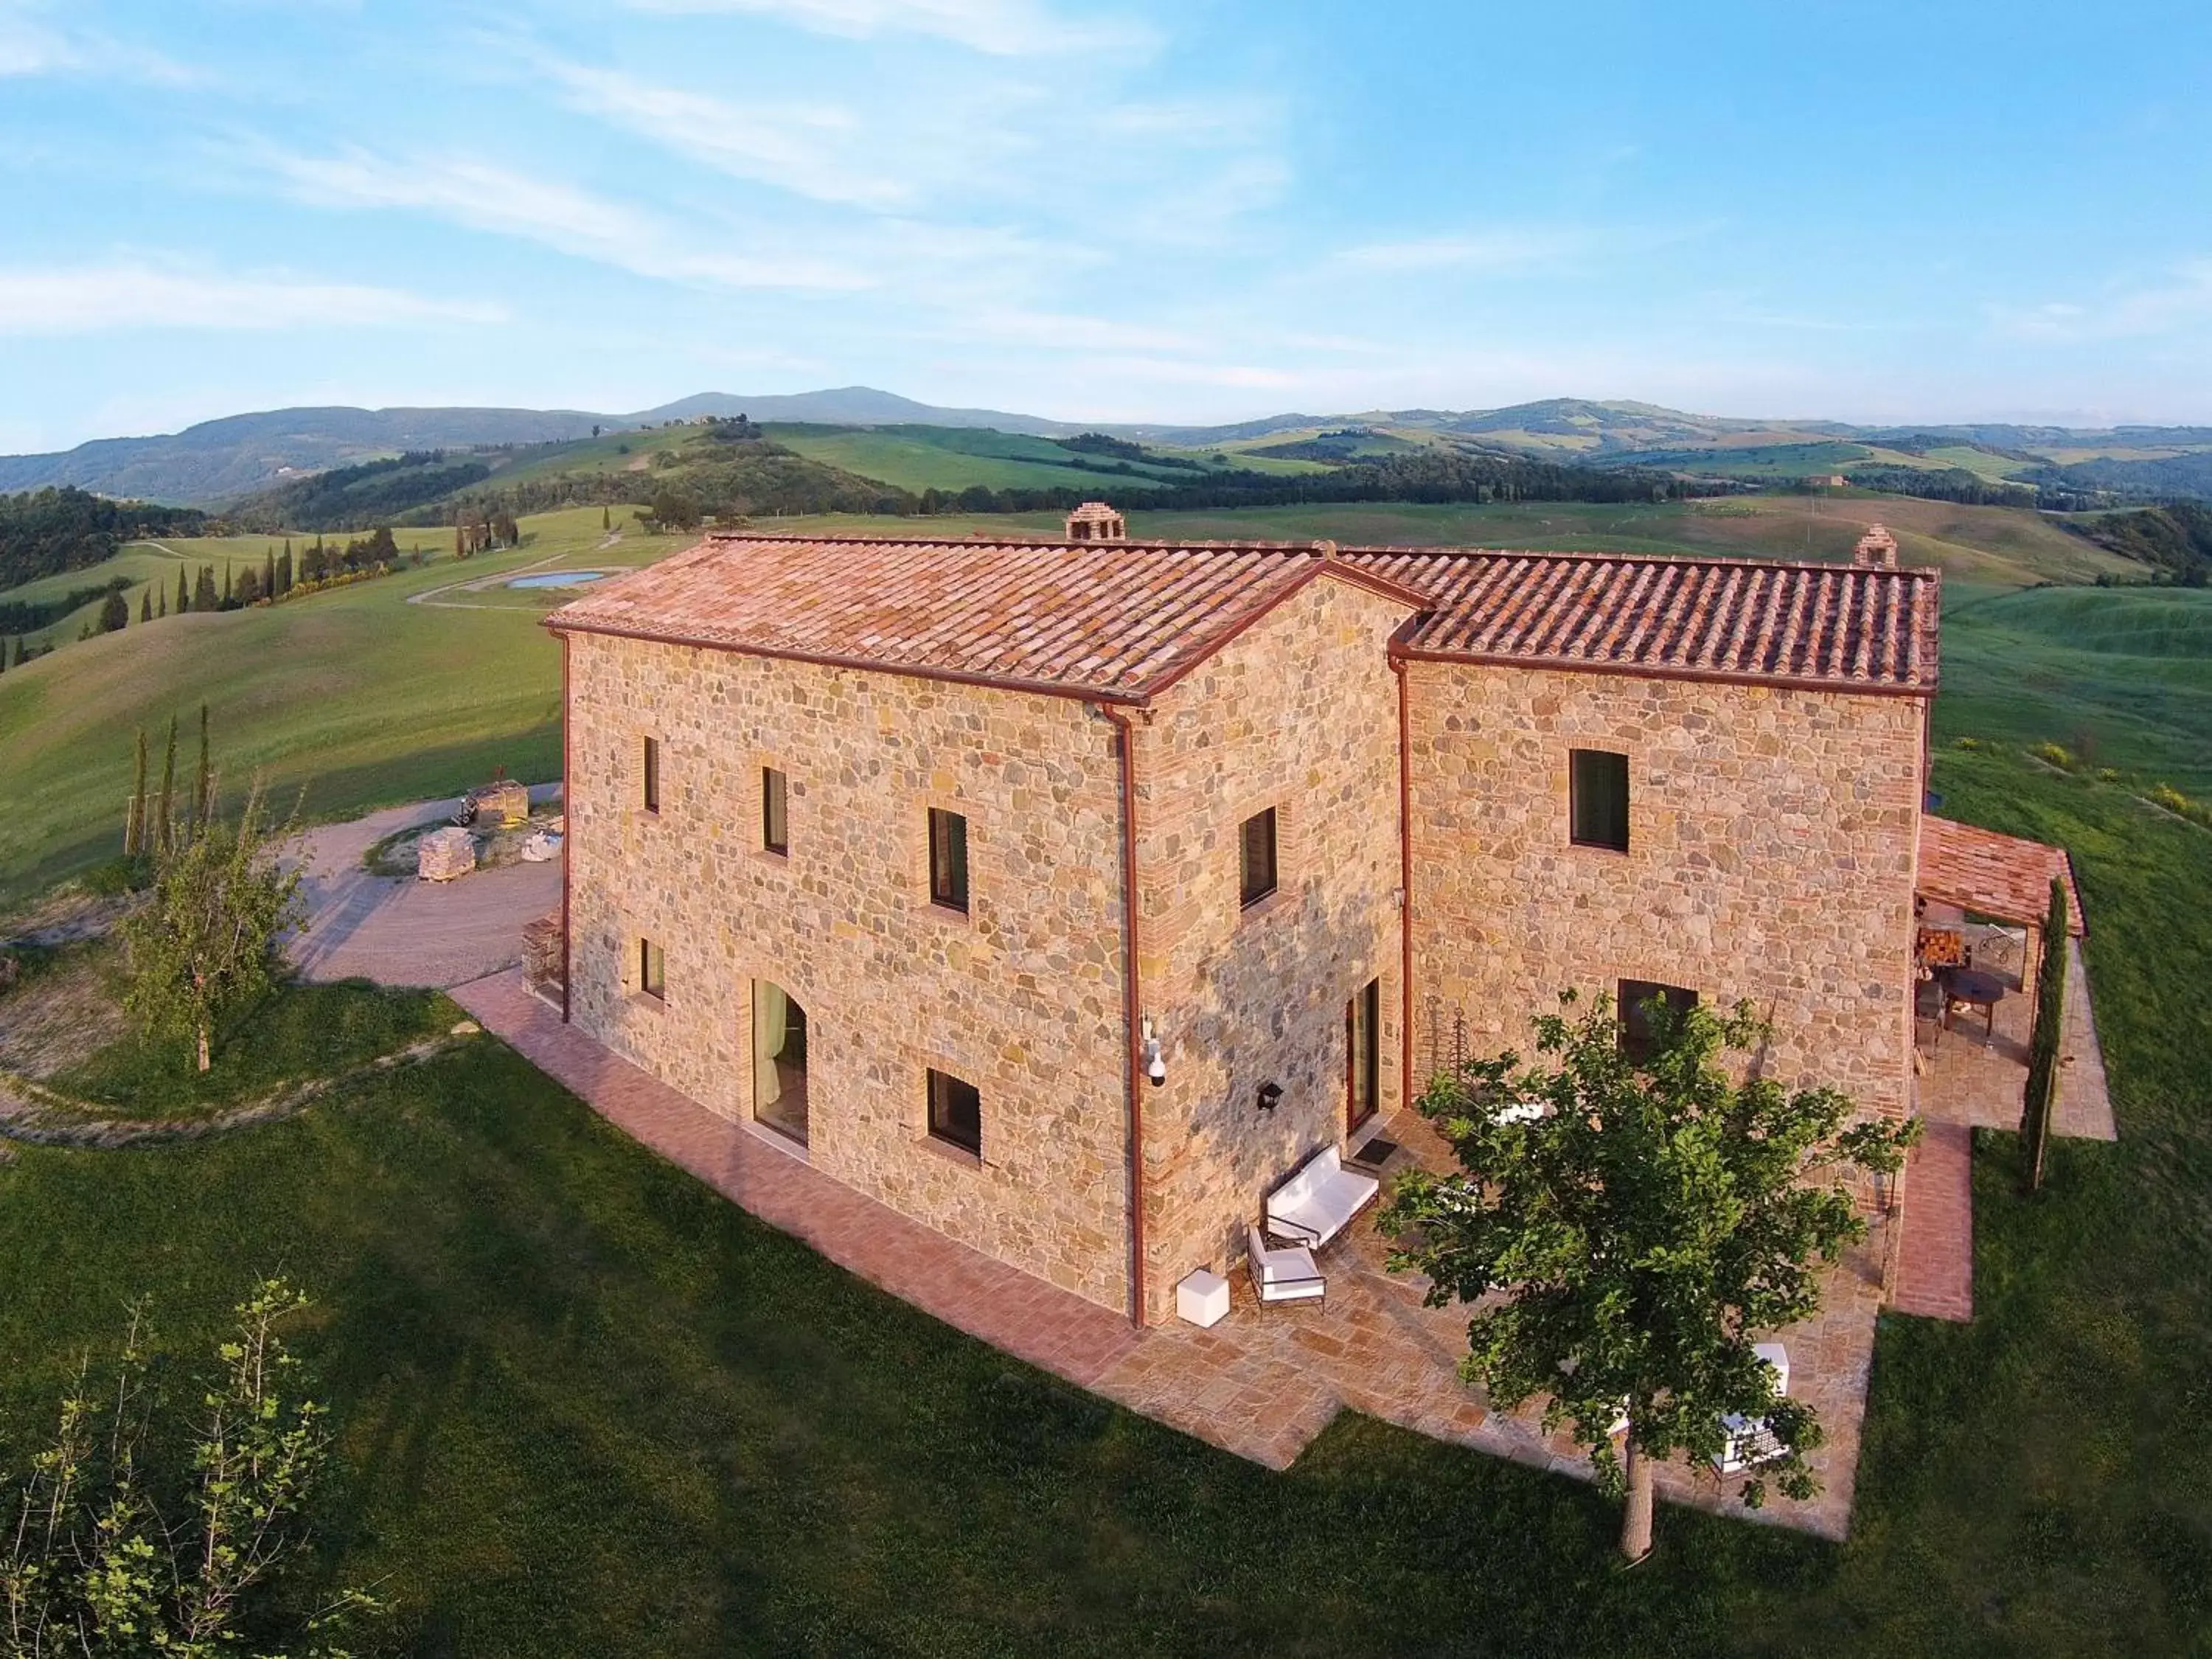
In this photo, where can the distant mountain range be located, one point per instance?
(220, 460)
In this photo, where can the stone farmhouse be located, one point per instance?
(1066, 896)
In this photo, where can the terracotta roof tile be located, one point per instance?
(1993, 875)
(1124, 619)
(1843, 626)
(1119, 620)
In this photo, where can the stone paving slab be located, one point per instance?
(1262, 1383)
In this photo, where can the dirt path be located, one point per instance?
(406, 931)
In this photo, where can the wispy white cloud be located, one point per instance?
(483, 196)
(2183, 299)
(1481, 253)
(33, 42)
(818, 150)
(93, 299)
(1005, 29)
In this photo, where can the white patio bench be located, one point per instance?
(1316, 1204)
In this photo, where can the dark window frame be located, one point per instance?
(1588, 822)
(956, 1112)
(949, 883)
(1362, 1064)
(652, 969)
(652, 774)
(1630, 997)
(1254, 883)
(776, 811)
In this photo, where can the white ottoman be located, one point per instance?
(1203, 1299)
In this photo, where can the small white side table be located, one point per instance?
(1202, 1298)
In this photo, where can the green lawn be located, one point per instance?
(2121, 677)
(588, 1408)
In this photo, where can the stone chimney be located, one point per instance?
(1094, 521)
(1877, 548)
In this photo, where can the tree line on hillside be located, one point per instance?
(358, 497)
(44, 532)
(2175, 540)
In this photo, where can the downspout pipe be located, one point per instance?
(1126, 744)
(568, 833)
(1406, 1092)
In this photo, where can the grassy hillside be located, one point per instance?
(356, 693)
(918, 457)
(2121, 677)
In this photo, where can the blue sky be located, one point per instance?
(1201, 210)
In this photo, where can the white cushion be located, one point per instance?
(1316, 1202)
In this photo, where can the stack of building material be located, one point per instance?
(543, 966)
(445, 854)
(502, 804)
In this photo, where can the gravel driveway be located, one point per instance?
(406, 932)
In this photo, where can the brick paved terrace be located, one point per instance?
(1261, 1384)
(1969, 1081)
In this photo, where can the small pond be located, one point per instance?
(557, 579)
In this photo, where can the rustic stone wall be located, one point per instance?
(1021, 997)
(1300, 713)
(1773, 839)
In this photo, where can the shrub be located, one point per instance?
(1970, 743)
(2108, 775)
(2052, 754)
(2165, 795)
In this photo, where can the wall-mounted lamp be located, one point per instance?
(1155, 1068)
(1269, 1094)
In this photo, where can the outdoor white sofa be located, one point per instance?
(1749, 1440)
(1314, 1205)
(1282, 1275)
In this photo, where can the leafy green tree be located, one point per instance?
(144, 1530)
(114, 613)
(203, 593)
(1643, 1228)
(207, 944)
(2040, 1097)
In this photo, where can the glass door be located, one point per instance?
(778, 1060)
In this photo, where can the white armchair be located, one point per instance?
(1750, 1441)
(1282, 1275)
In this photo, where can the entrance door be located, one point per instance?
(1363, 1047)
(778, 1060)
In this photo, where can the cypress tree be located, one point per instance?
(146, 602)
(203, 785)
(269, 574)
(20, 658)
(114, 613)
(184, 593)
(203, 597)
(3, 656)
(284, 572)
(2038, 1099)
(226, 581)
(160, 603)
(165, 827)
(134, 826)
(606, 518)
